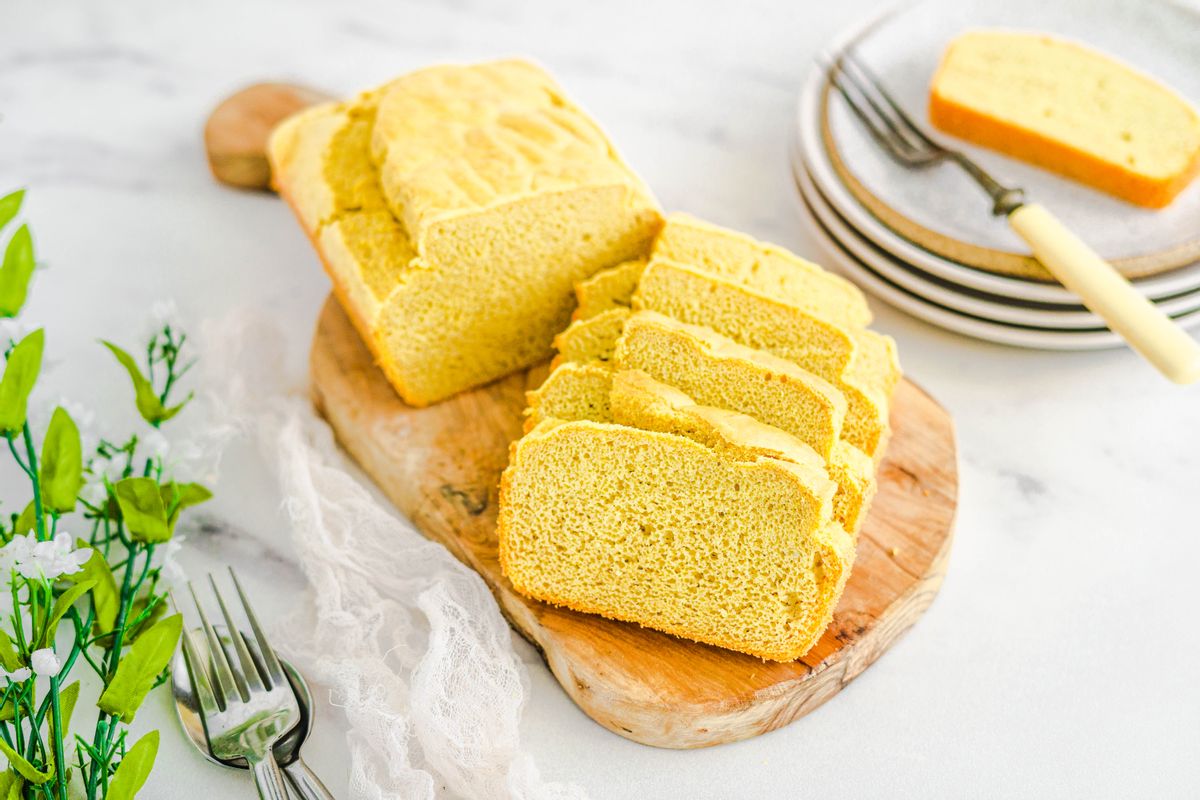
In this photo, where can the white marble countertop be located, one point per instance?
(1059, 658)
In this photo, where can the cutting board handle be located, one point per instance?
(235, 135)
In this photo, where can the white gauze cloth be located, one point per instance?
(409, 641)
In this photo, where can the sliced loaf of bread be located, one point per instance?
(663, 531)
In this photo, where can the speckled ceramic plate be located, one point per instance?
(979, 304)
(939, 211)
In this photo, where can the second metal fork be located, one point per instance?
(1101, 288)
(245, 710)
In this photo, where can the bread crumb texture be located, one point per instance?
(1069, 109)
(455, 209)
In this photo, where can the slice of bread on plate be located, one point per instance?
(660, 530)
(1069, 109)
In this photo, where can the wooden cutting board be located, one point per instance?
(441, 467)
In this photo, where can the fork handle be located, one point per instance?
(268, 779)
(305, 781)
(1108, 294)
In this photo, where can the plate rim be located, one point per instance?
(957, 322)
(912, 279)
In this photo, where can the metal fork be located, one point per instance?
(1101, 288)
(245, 712)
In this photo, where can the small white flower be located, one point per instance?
(18, 675)
(45, 662)
(49, 560)
(156, 444)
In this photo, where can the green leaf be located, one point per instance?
(11, 785)
(26, 770)
(148, 404)
(18, 268)
(20, 373)
(61, 606)
(139, 669)
(134, 768)
(142, 507)
(105, 597)
(10, 206)
(9, 659)
(62, 463)
(178, 496)
(27, 521)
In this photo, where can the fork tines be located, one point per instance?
(888, 124)
(220, 680)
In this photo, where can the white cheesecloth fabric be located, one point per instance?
(409, 641)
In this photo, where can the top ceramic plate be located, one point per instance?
(940, 209)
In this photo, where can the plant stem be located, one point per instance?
(60, 772)
(31, 455)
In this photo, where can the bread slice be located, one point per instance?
(572, 391)
(716, 371)
(591, 339)
(860, 363)
(1069, 109)
(660, 530)
(460, 267)
(763, 267)
(638, 400)
(608, 289)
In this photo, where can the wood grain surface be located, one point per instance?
(441, 466)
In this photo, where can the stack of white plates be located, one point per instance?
(926, 242)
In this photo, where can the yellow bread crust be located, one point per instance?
(1015, 132)
(833, 547)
